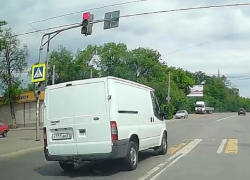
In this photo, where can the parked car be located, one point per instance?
(4, 129)
(241, 111)
(104, 118)
(181, 114)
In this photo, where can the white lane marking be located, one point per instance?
(218, 120)
(222, 145)
(149, 173)
(174, 161)
(185, 150)
(189, 147)
(22, 151)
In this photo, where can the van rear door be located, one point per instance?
(59, 120)
(92, 121)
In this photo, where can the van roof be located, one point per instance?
(97, 80)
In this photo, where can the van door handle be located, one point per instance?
(151, 119)
(96, 118)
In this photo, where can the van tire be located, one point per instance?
(67, 166)
(164, 145)
(129, 161)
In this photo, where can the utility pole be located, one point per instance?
(37, 117)
(37, 93)
(91, 73)
(53, 74)
(168, 98)
(47, 62)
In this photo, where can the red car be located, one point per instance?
(4, 128)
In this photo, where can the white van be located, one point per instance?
(102, 118)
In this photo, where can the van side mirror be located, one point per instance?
(164, 113)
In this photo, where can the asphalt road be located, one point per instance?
(204, 147)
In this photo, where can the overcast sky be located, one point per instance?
(226, 31)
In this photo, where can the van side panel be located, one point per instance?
(131, 110)
(59, 118)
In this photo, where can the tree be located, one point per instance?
(145, 66)
(70, 67)
(29, 87)
(111, 58)
(13, 61)
(2, 23)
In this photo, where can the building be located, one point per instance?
(25, 110)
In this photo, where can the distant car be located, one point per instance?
(4, 129)
(241, 111)
(181, 114)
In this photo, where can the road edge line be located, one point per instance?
(21, 152)
(218, 120)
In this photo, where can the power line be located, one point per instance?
(91, 9)
(35, 28)
(46, 29)
(186, 48)
(141, 14)
(187, 9)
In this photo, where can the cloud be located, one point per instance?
(227, 31)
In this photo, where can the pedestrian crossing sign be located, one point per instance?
(38, 73)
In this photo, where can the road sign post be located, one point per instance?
(37, 76)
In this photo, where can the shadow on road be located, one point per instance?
(101, 168)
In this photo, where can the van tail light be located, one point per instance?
(114, 131)
(45, 137)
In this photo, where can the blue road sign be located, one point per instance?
(38, 73)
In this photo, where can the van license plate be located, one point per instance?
(61, 136)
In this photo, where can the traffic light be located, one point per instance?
(87, 23)
(37, 89)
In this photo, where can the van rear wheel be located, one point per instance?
(131, 160)
(67, 166)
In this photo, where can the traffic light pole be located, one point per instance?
(54, 33)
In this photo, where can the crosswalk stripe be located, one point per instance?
(232, 146)
(222, 145)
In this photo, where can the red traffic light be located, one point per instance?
(86, 16)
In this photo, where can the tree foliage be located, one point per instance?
(145, 66)
(13, 61)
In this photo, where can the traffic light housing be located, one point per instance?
(37, 89)
(87, 23)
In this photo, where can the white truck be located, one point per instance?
(201, 108)
(101, 118)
